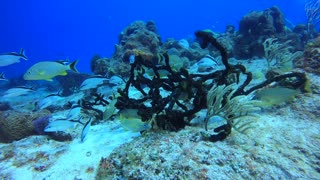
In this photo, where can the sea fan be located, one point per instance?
(238, 111)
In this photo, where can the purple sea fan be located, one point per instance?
(40, 123)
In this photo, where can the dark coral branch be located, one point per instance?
(171, 112)
(98, 100)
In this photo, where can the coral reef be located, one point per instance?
(89, 103)
(301, 35)
(311, 60)
(170, 111)
(99, 65)
(4, 106)
(238, 112)
(254, 28)
(280, 53)
(17, 125)
(269, 154)
(139, 35)
(138, 39)
(193, 53)
(40, 124)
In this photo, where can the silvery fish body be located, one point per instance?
(60, 125)
(74, 113)
(7, 59)
(18, 91)
(86, 129)
(91, 83)
(48, 101)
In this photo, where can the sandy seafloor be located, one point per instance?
(284, 144)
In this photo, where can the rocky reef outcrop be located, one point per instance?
(310, 61)
(254, 28)
(17, 125)
(139, 38)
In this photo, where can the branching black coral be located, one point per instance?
(94, 100)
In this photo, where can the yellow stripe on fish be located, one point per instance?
(46, 70)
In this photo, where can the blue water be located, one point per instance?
(78, 29)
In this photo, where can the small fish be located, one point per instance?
(132, 58)
(130, 120)
(50, 100)
(60, 125)
(17, 91)
(116, 80)
(7, 59)
(86, 129)
(276, 95)
(93, 82)
(149, 74)
(2, 78)
(47, 70)
(74, 113)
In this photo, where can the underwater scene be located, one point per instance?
(169, 90)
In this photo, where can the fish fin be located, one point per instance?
(120, 117)
(22, 54)
(2, 76)
(63, 73)
(72, 66)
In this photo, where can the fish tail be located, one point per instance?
(72, 66)
(2, 76)
(22, 54)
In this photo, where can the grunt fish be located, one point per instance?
(276, 95)
(47, 70)
(130, 120)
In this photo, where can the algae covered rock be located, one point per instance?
(138, 39)
(254, 28)
(17, 125)
(311, 60)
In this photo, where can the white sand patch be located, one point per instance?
(63, 160)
